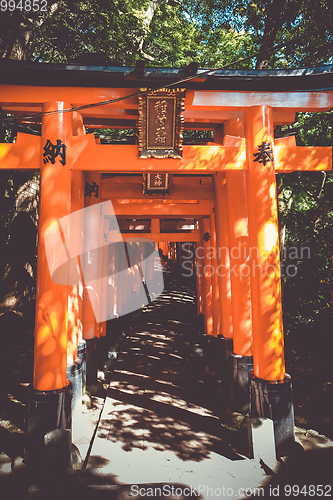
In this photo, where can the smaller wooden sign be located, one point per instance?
(157, 183)
(161, 123)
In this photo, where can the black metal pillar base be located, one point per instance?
(74, 375)
(209, 346)
(274, 400)
(48, 412)
(201, 325)
(241, 366)
(91, 361)
(102, 351)
(225, 346)
(81, 354)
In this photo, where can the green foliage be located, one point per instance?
(315, 129)
(198, 136)
(270, 22)
(212, 33)
(172, 40)
(171, 32)
(306, 212)
(113, 32)
(109, 28)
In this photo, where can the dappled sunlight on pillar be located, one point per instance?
(223, 260)
(52, 298)
(215, 282)
(239, 263)
(73, 324)
(50, 343)
(268, 352)
(207, 273)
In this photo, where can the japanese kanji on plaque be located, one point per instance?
(156, 182)
(161, 124)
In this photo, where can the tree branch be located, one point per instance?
(321, 189)
(147, 18)
(276, 16)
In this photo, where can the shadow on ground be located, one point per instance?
(162, 399)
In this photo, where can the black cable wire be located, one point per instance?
(136, 94)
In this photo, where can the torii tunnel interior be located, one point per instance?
(218, 222)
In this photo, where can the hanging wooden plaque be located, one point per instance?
(161, 123)
(157, 183)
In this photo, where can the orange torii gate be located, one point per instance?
(240, 296)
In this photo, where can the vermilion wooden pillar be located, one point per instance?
(51, 298)
(225, 341)
(241, 359)
(270, 386)
(173, 251)
(111, 288)
(123, 283)
(268, 349)
(136, 274)
(169, 250)
(198, 269)
(179, 253)
(91, 235)
(75, 293)
(49, 405)
(239, 263)
(207, 272)
(76, 347)
(120, 260)
(223, 262)
(236, 183)
(91, 266)
(222, 243)
(215, 281)
(104, 272)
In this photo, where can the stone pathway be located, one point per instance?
(159, 433)
(158, 427)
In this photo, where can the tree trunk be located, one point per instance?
(147, 19)
(20, 31)
(278, 13)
